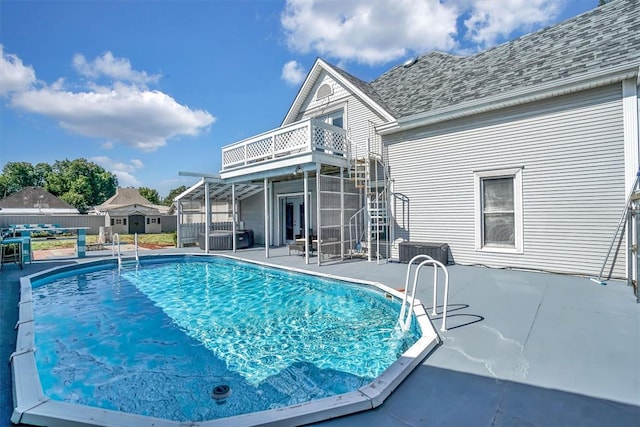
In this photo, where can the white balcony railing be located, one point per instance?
(301, 137)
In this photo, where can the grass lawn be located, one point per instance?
(153, 240)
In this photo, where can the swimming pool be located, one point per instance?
(186, 337)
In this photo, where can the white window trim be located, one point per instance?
(515, 173)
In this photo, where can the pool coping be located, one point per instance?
(32, 406)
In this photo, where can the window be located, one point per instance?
(158, 220)
(124, 221)
(112, 221)
(498, 207)
(336, 118)
(148, 219)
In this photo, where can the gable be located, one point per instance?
(325, 92)
(340, 85)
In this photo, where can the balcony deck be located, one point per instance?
(300, 142)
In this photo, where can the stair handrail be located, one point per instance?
(354, 218)
(406, 311)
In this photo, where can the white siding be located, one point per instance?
(358, 115)
(311, 103)
(572, 152)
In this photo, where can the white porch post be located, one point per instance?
(207, 221)
(341, 214)
(318, 222)
(306, 199)
(233, 216)
(266, 217)
(179, 223)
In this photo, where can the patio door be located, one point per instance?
(293, 217)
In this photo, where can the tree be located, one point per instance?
(150, 194)
(173, 193)
(17, 175)
(81, 183)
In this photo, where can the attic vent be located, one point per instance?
(409, 62)
(324, 91)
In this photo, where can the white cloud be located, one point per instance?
(135, 117)
(293, 73)
(379, 31)
(124, 171)
(491, 20)
(109, 66)
(125, 111)
(369, 31)
(14, 75)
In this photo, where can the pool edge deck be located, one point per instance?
(532, 347)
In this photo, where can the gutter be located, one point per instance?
(513, 98)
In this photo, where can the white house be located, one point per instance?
(520, 156)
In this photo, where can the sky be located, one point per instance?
(148, 89)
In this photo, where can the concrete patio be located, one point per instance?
(522, 348)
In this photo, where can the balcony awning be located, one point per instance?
(218, 190)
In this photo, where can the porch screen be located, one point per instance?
(332, 243)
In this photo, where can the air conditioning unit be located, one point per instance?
(437, 251)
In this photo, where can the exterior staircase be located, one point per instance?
(370, 228)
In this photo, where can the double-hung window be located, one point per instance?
(498, 210)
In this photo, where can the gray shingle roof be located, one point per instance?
(125, 197)
(34, 197)
(363, 86)
(604, 37)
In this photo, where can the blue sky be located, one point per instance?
(150, 88)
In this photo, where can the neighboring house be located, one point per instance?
(128, 212)
(519, 156)
(35, 201)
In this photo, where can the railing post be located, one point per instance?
(273, 145)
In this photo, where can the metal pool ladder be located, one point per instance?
(115, 237)
(406, 311)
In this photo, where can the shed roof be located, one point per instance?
(124, 197)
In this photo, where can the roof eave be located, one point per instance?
(515, 97)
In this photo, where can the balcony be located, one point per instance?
(304, 137)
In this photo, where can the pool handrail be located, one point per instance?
(404, 307)
(115, 237)
(404, 319)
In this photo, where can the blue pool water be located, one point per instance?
(157, 339)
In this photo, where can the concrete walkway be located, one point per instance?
(523, 348)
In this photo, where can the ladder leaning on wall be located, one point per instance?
(630, 220)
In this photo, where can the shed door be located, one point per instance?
(136, 224)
